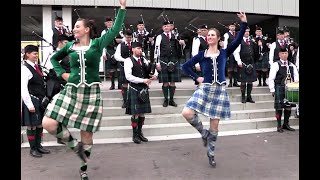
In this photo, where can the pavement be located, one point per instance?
(265, 156)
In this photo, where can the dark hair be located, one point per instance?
(92, 25)
(217, 33)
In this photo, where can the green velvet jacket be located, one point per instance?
(84, 64)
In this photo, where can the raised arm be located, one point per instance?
(105, 39)
(235, 43)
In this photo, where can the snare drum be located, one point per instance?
(292, 92)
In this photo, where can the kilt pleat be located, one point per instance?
(136, 106)
(77, 107)
(164, 75)
(211, 101)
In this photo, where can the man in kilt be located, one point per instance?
(199, 44)
(211, 98)
(124, 50)
(245, 55)
(32, 92)
(111, 65)
(262, 63)
(282, 71)
(137, 71)
(276, 46)
(232, 67)
(168, 51)
(79, 104)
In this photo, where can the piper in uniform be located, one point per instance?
(276, 46)
(57, 30)
(168, 48)
(137, 70)
(200, 44)
(122, 53)
(232, 67)
(111, 65)
(262, 61)
(245, 56)
(32, 93)
(281, 71)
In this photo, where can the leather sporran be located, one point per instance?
(143, 95)
(249, 69)
(171, 67)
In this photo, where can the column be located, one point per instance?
(47, 32)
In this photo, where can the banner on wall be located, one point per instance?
(35, 43)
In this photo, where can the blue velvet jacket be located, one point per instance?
(213, 69)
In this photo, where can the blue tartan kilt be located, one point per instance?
(122, 77)
(32, 119)
(211, 101)
(264, 63)
(164, 75)
(135, 105)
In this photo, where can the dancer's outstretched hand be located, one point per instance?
(242, 16)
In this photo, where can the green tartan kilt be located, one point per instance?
(164, 75)
(136, 106)
(77, 107)
(279, 96)
(264, 63)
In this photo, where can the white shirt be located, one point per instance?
(47, 63)
(26, 75)
(272, 48)
(236, 52)
(117, 54)
(128, 70)
(195, 45)
(226, 37)
(273, 72)
(158, 42)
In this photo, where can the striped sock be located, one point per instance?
(65, 136)
(196, 123)
(212, 138)
(87, 151)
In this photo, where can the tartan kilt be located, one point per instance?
(109, 65)
(211, 101)
(244, 77)
(231, 62)
(77, 107)
(164, 75)
(32, 119)
(264, 63)
(279, 95)
(122, 76)
(136, 106)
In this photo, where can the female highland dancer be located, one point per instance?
(211, 98)
(79, 105)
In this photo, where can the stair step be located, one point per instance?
(117, 102)
(183, 92)
(172, 129)
(159, 109)
(165, 137)
(178, 118)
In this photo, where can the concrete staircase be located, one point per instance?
(166, 123)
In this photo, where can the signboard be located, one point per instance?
(35, 43)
